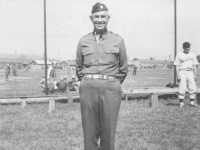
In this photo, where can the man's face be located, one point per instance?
(100, 20)
(186, 50)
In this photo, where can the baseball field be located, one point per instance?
(167, 127)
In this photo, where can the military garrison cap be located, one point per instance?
(186, 45)
(99, 7)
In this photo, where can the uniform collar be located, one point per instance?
(103, 36)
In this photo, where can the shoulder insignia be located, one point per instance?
(114, 33)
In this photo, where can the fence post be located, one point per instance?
(23, 103)
(126, 97)
(153, 100)
(70, 100)
(51, 105)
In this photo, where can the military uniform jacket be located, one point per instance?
(108, 57)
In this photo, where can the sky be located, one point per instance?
(147, 26)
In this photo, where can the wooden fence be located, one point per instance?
(126, 92)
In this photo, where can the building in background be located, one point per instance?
(71, 64)
(59, 64)
(151, 64)
(27, 62)
(39, 64)
(11, 61)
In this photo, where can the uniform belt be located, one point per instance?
(187, 69)
(100, 76)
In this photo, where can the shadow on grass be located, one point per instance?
(170, 99)
(9, 104)
(168, 96)
(167, 99)
(147, 96)
(76, 100)
(172, 104)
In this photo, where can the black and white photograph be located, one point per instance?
(99, 75)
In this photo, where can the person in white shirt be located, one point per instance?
(186, 67)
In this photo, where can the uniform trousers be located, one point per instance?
(187, 84)
(100, 103)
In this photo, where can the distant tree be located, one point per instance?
(198, 58)
(135, 59)
(151, 58)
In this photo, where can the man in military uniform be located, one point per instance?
(186, 68)
(101, 65)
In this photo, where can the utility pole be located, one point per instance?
(45, 48)
(175, 40)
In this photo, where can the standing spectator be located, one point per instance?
(101, 65)
(7, 72)
(14, 69)
(134, 70)
(51, 75)
(186, 68)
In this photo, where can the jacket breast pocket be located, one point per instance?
(112, 54)
(87, 55)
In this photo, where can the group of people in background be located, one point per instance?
(63, 85)
(7, 70)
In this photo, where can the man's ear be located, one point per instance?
(91, 18)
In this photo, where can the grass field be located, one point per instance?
(139, 127)
(26, 83)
